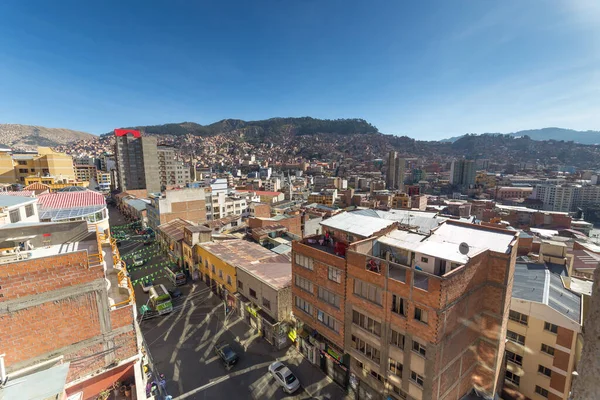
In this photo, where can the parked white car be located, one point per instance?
(284, 377)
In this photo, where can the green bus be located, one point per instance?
(160, 299)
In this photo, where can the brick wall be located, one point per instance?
(45, 274)
(26, 332)
(122, 316)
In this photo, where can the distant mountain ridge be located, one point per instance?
(267, 129)
(29, 136)
(583, 137)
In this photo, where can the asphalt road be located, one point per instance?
(182, 345)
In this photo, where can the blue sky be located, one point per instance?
(426, 69)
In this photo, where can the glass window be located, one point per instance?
(328, 321)
(512, 378)
(544, 370)
(252, 293)
(541, 391)
(303, 305)
(367, 291)
(329, 297)
(514, 358)
(367, 349)
(416, 378)
(266, 303)
(547, 349)
(304, 261)
(550, 327)
(515, 337)
(29, 210)
(304, 284)
(419, 348)
(398, 305)
(334, 274)
(421, 315)
(240, 285)
(15, 216)
(367, 323)
(518, 317)
(397, 339)
(396, 368)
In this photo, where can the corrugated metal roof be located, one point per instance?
(356, 224)
(174, 229)
(535, 282)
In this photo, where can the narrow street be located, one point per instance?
(182, 343)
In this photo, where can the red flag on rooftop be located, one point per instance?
(123, 132)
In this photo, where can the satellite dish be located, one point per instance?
(463, 248)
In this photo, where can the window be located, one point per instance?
(544, 370)
(397, 339)
(367, 349)
(515, 337)
(550, 327)
(424, 259)
(518, 317)
(399, 392)
(15, 216)
(548, 350)
(541, 391)
(334, 274)
(266, 303)
(240, 285)
(213, 268)
(395, 368)
(512, 378)
(375, 375)
(398, 305)
(304, 284)
(420, 315)
(367, 291)
(221, 273)
(22, 162)
(329, 297)
(303, 305)
(419, 348)
(252, 293)
(229, 280)
(366, 323)
(304, 261)
(514, 358)
(416, 378)
(328, 321)
(23, 170)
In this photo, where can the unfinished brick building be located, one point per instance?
(64, 304)
(421, 320)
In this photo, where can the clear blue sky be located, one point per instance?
(422, 68)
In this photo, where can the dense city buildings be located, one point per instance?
(137, 161)
(172, 172)
(15, 167)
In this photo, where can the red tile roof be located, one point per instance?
(70, 199)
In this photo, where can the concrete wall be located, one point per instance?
(262, 290)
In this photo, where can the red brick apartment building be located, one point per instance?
(319, 288)
(66, 310)
(417, 319)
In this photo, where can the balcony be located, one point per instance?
(394, 271)
(328, 246)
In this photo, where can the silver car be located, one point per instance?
(284, 377)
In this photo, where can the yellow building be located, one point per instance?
(543, 332)
(217, 264)
(45, 162)
(326, 197)
(401, 200)
(485, 179)
(85, 173)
